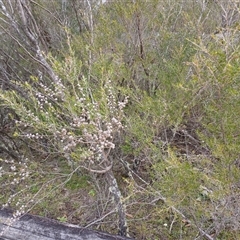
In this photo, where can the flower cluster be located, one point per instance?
(99, 140)
(93, 125)
(17, 171)
(33, 136)
(99, 129)
(48, 91)
(122, 105)
(67, 140)
(19, 212)
(111, 100)
(46, 95)
(42, 100)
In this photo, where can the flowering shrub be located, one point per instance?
(69, 121)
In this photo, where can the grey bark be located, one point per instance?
(114, 189)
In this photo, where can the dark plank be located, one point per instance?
(31, 227)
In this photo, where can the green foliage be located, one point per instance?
(77, 182)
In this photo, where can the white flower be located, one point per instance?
(13, 168)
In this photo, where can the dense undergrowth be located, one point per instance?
(137, 99)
